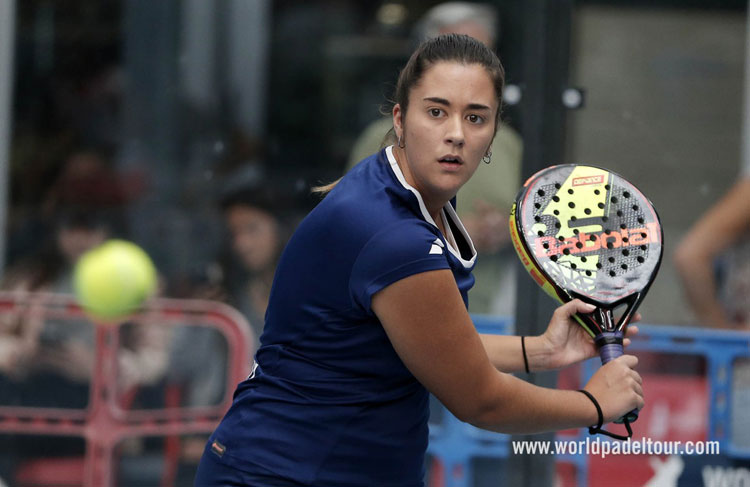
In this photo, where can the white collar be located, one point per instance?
(448, 210)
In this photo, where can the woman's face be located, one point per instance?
(255, 237)
(447, 128)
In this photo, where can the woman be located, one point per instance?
(368, 311)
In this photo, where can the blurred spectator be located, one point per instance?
(713, 259)
(254, 215)
(48, 361)
(255, 212)
(55, 357)
(484, 202)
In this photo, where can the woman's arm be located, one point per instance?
(715, 231)
(564, 343)
(429, 327)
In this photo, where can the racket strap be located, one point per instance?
(593, 430)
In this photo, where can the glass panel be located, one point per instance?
(664, 91)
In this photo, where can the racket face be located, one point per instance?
(587, 233)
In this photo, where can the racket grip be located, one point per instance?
(610, 347)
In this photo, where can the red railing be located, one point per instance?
(106, 421)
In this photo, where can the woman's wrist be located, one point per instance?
(537, 353)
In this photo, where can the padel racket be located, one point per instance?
(585, 232)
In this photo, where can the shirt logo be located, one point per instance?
(437, 247)
(252, 371)
(218, 449)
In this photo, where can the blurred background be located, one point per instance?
(196, 129)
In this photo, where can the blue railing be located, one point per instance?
(726, 355)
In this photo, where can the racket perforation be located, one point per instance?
(572, 236)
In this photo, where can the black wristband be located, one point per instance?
(523, 349)
(593, 430)
(598, 428)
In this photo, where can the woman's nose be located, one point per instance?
(455, 131)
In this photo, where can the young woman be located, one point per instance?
(368, 311)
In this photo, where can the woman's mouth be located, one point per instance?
(451, 162)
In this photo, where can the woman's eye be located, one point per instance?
(475, 118)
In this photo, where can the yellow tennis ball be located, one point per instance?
(114, 279)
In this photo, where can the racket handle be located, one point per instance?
(610, 347)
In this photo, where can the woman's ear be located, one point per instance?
(398, 126)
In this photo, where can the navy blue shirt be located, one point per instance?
(329, 402)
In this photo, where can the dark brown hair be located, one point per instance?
(457, 48)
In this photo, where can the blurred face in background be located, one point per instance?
(74, 241)
(255, 236)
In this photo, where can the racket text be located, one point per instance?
(599, 179)
(548, 246)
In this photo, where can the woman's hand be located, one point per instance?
(566, 342)
(617, 387)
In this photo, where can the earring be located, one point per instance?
(399, 143)
(487, 157)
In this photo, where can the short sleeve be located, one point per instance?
(392, 254)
